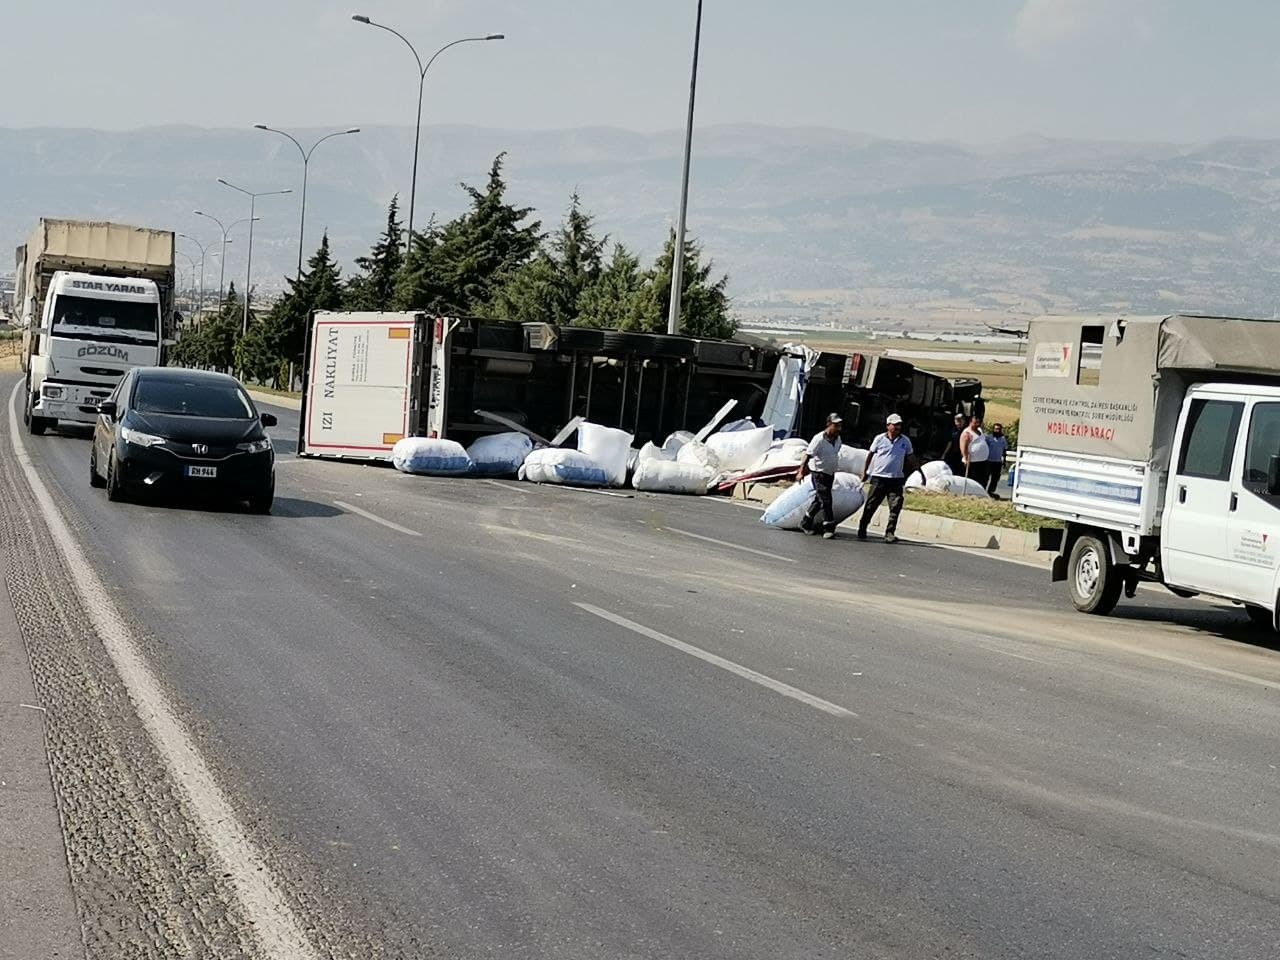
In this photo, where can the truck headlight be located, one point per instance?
(141, 439)
(255, 446)
(53, 393)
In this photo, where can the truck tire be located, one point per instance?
(1261, 617)
(1093, 579)
(36, 426)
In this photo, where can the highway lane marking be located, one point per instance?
(777, 686)
(376, 519)
(731, 546)
(507, 486)
(260, 897)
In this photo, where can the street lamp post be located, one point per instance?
(225, 240)
(248, 265)
(677, 259)
(191, 260)
(422, 79)
(306, 160)
(203, 254)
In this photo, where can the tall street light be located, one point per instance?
(191, 260)
(204, 252)
(248, 263)
(422, 79)
(306, 160)
(677, 259)
(225, 240)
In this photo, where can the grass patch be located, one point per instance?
(258, 388)
(996, 513)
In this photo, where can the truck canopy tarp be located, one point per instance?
(102, 247)
(1113, 386)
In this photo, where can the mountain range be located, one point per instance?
(795, 216)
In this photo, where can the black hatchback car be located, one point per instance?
(170, 430)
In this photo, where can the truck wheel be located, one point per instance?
(1094, 580)
(1262, 618)
(35, 425)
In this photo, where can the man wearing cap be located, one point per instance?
(886, 469)
(821, 460)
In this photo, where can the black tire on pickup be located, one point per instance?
(1261, 617)
(1094, 581)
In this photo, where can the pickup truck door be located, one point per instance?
(1193, 535)
(1253, 525)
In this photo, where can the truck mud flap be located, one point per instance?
(1051, 538)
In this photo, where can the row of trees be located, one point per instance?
(492, 260)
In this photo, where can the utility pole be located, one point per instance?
(677, 262)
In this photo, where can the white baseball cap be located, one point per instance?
(893, 418)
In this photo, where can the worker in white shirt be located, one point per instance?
(886, 468)
(821, 460)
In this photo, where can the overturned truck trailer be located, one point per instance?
(372, 378)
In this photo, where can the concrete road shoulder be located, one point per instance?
(37, 907)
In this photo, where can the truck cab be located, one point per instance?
(1220, 528)
(91, 331)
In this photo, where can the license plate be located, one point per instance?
(193, 471)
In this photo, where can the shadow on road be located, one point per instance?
(1225, 624)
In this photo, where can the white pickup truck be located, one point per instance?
(1156, 442)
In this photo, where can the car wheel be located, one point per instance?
(261, 502)
(1094, 580)
(94, 479)
(1262, 617)
(115, 486)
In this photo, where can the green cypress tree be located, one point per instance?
(610, 302)
(549, 287)
(704, 304)
(375, 287)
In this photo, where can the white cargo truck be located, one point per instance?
(94, 300)
(1156, 442)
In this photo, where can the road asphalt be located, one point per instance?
(477, 719)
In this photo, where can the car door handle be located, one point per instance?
(1182, 494)
(1235, 501)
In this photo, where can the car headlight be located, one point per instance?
(140, 438)
(255, 446)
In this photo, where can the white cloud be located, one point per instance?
(1043, 26)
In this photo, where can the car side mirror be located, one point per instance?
(109, 410)
(269, 420)
(1273, 476)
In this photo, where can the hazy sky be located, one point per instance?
(972, 70)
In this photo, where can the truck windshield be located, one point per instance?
(107, 315)
(191, 399)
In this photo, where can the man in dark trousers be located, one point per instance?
(951, 456)
(821, 460)
(886, 468)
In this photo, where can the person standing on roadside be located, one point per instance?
(821, 460)
(951, 456)
(886, 468)
(974, 468)
(997, 447)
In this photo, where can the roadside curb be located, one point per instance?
(271, 399)
(926, 527)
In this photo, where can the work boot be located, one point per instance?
(862, 535)
(890, 538)
(828, 534)
(807, 526)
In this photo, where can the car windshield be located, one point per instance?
(123, 315)
(190, 398)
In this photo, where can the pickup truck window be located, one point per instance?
(1263, 444)
(1209, 442)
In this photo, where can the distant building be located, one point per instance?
(6, 296)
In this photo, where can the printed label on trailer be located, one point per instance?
(1052, 360)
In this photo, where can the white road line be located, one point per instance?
(376, 519)
(777, 686)
(277, 930)
(732, 546)
(507, 486)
